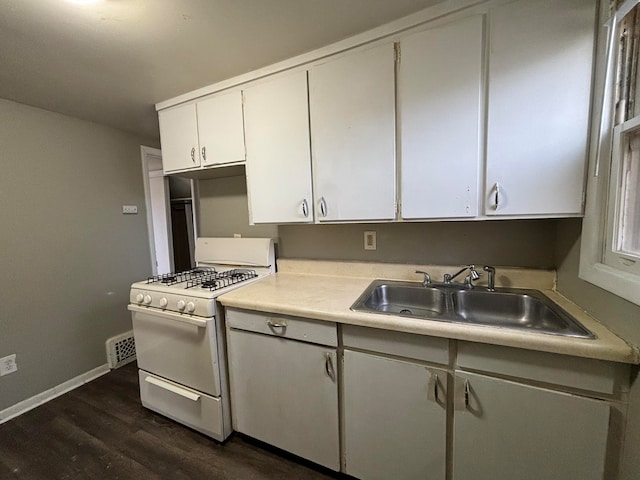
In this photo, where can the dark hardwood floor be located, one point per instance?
(100, 430)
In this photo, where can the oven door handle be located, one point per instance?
(198, 322)
(172, 388)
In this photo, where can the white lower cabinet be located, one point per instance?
(283, 391)
(507, 430)
(394, 418)
(410, 408)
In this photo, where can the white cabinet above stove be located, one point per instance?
(203, 134)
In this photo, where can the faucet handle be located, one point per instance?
(427, 277)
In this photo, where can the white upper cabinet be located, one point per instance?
(540, 67)
(439, 95)
(179, 138)
(278, 151)
(353, 135)
(203, 134)
(220, 129)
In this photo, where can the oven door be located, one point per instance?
(180, 348)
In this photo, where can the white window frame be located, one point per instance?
(597, 266)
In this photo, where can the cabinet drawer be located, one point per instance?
(184, 405)
(586, 374)
(418, 347)
(314, 331)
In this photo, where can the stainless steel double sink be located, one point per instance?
(503, 307)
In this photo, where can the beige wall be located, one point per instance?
(68, 255)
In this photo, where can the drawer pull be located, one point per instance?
(172, 388)
(276, 324)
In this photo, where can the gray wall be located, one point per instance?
(619, 315)
(224, 210)
(68, 255)
(507, 243)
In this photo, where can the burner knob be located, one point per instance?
(147, 299)
(181, 305)
(163, 302)
(139, 298)
(191, 307)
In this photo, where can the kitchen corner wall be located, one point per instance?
(68, 254)
(618, 314)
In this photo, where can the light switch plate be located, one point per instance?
(8, 364)
(129, 209)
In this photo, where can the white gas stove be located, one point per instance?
(179, 333)
(222, 264)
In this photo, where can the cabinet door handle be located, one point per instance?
(305, 208)
(466, 393)
(323, 207)
(193, 154)
(204, 153)
(435, 388)
(496, 198)
(328, 366)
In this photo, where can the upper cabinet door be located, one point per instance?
(221, 129)
(540, 67)
(439, 94)
(179, 138)
(278, 151)
(353, 136)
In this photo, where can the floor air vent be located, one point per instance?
(121, 349)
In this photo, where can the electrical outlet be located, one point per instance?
(129, 209)
(8, 364)
(370, 240)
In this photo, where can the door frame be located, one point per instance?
(148, 154)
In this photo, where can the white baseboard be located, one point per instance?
(44, 397)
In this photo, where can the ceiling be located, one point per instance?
(111, 61)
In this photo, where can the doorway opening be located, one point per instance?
(170, 215)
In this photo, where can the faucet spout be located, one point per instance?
(473, 275)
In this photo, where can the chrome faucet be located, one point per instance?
(491, 280)
(427, 278)
(473, 275)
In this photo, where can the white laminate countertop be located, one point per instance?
(326, 291)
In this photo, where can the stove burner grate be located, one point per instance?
(218, 280)
(179, 277)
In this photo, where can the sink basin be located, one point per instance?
(509, 308)
(406, 299)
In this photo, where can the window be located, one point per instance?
(610, 254)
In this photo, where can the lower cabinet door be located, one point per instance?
(506, 430)
(394, 419)
(285, 393)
